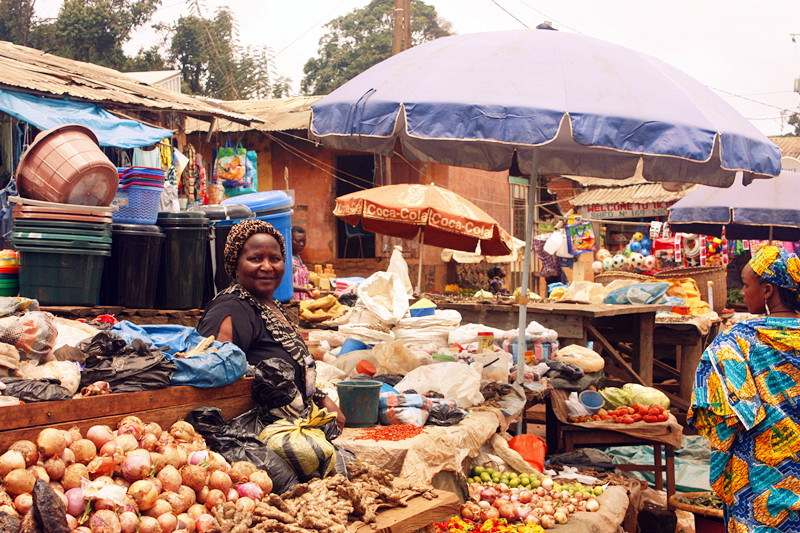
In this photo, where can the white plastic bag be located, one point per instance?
(398, 265)
(68, 373)
(383, 293)
(364, 333)
(394, 358)
(468, 333)
(428, 329)
(553, 242)
(453, 380)
(575, 406)
(495, 365)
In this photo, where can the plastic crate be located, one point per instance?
(137, 204)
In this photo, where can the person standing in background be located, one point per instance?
(300, 277)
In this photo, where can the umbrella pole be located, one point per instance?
(530, 228)
(421, 246)
(770, 235)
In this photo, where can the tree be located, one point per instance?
(363, 38)
(794, 121)
(15, 21)
(214, 64)
(93, 30)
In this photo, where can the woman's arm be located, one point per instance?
(331, 406)
(225, 333)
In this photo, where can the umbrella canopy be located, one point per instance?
(448, 220)
(765, 209)
(586, 107)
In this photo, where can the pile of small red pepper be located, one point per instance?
(393, 432)
(457, 524)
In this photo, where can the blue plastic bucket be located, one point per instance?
(283, 223)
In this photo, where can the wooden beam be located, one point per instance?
(591, 331)
(397, 33)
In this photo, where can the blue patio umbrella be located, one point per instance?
(545, 102)
(765, 209)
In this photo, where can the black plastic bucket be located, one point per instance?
(182, 269)
(129, 278)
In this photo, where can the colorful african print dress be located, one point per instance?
(745, 401)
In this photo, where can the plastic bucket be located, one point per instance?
(181, 270)
(283, 222)
(58, 276)
(66, 165)
(358, 401)
(129, 279)
(532, 448)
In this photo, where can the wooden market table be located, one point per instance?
(608, 326)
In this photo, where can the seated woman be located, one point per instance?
(746, 400)
(496, 276)
(247, 314)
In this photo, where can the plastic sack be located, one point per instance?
(240, 445)
(445, 415)
(391, 399)
(347, 362)
(35, 390)
(384, 294)
(365, 333)
(71, 332)
(398, 265)
(221, 364)
(302, 444)
(468, 333)
(585, 291)
(495, 365)
(33, 333)
(581, 356)
(639, 293)
(250, 176)
(452, 380)
(402, 415)
(17, 304)
(433, 328)
(229, 166)
(394, 358)
(68, 373)
(126, 367)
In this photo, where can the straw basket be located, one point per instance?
(706, 519)
(608, 276)
(702, 275)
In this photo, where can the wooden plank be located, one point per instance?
(643, 347)
(666, 368)
(690, 358)
(567, 326)
(52, 413)
(616, 355)
(418, 514)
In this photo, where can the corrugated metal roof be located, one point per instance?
(790, 146)
(606, 182)
(276, 114)
(34, 71)
(649, 192)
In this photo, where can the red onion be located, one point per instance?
(249, 489)
(189, 496)
(149, 442)
(128, 522)
(205, 523)
(128, 505)
(99, 435)
(170, 478)
(488, 514)
(28, 450)
(240, 471)
(198, 458)
(217, 462)
(144, 493)
(232, 495)
(51, 441)
(148, 524)
(75, 502)
(525, 496)
(73, 434)
(104, 504)
(23, 503)
(11, 460)
(171, 456)
(203, 494)
(101, 465)
(523, 511)
(488, 494)
(136, 465)
(168, 522)
(68, 456)
(132, 425)
(262, 479)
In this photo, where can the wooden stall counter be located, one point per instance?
(417, 515)
(163, 406)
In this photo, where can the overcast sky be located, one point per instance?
(741, 48)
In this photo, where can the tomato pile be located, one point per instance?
(393, 432)
(628, 415)
(461, 525)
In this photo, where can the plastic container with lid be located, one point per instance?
(181, 269)
(263, 203)
(48, 274)
(485, 340)
(130, 276)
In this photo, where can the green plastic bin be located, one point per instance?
(359, 401)
(61, 276)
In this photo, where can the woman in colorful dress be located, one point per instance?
(247, 315)
(746, 400)
(300, 278)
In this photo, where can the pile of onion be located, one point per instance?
(136, 477)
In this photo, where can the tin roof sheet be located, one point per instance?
(275, 114)
(790, 146)
(649, 192)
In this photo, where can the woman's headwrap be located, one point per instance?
(779, 267)
(240, 233)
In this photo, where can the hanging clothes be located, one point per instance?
(150, 158)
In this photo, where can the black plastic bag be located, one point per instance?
(238, 445)
(348, 299)
(343, 458)
(273, 384)
(48, 509)
(35, 390)
(442, 414)
(133, 367)
(389, 379)
(564, 370)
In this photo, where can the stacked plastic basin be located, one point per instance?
(138, 195)
(220, 217)
(274, 207)
(62, 249)
(181, 272)
(9, 273)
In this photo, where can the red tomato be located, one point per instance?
(663, 417)
(655, 410)
(651, 418)
(636, 417)
(637, 407)
(627, 419)
(607, 417)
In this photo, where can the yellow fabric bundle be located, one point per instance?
(687, 289)
(321, 309)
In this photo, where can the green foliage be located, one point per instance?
(735, 296)
(794, 121)
(363, 38)
(15, 21)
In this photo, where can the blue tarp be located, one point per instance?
(46, 113)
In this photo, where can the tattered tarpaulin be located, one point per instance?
(46, 113)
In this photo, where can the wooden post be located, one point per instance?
(407, 24)
(397, 34)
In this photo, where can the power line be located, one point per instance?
(750, 99)
(548, 17)
(308, 30)
(510, 14)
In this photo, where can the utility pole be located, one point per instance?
(401, 35)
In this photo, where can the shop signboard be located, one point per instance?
(625, 210)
